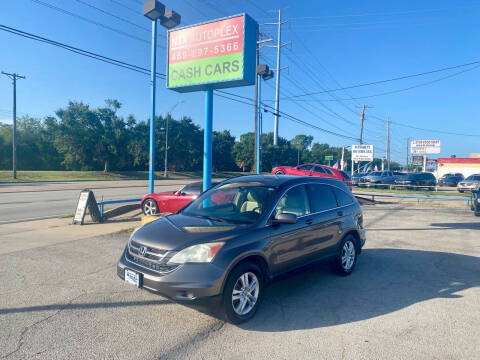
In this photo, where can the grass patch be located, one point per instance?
(440, 192)
(44, 176)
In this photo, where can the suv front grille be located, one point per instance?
(155, 266)
(150, 258)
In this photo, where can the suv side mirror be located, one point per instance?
(285, 218)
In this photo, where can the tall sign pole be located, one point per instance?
(14, 78)
(207, 139)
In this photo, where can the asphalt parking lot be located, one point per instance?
(414, 294)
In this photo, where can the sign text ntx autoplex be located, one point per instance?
(217, 54)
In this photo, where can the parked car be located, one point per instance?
(376, 178)
(450, 179)
(170, 201)
(356, 178)
(417, 180)
(314, 170)
(223, 247)
(470, 183)
(475, 206)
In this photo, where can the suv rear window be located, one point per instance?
(321, 197)
(342, 197)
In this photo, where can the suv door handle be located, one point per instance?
(309, 221)
(340, 213)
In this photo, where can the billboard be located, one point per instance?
(216, 54)
(417, 160)
(425, 147)
(362, 152)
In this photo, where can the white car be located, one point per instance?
(470, 183)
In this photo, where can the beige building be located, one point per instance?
(464, 166)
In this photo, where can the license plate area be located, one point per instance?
(132, 277)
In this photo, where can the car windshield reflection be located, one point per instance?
(241, 202)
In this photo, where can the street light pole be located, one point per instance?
(155, 10)
(165, 170)
(153, 85)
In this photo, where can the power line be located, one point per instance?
(286, 115)
(126, 7)
(146, 72)
(400, 90)
(79, 51)
(425, 129)
(75, 15)
(382, 14)
(117, 17)
(388, 80)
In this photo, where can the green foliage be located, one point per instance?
(82, 138)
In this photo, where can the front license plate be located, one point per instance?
(132, 277)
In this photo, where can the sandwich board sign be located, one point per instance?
(362, 152)
(215, 54)
(86, 201)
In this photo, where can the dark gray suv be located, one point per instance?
(223, 248)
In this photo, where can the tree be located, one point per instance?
(243, 151)
(79, 137)
(302, 144)
(222, 145)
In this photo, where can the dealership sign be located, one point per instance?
(425, 147)
(362, 152)
(215, 54)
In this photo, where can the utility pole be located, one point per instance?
(165, 170)
(14, 78)
(362, 118)
(257, 106)
(388, 144)
(406, 160)
(278, 69)
(341, 161)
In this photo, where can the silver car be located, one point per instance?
(470, 183)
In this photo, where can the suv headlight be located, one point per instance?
(202, 253)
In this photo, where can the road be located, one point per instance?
(413, 295)
(47, 200)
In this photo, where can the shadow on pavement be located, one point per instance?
(457, 225)
(84, 306)
(384, 281)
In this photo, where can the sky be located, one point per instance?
(334, 44)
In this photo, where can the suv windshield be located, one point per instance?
(241, 202)
(473, 177)
(375, 173)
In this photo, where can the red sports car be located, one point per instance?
(171, 201)
(314, 170)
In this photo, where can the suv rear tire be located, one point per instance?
(236, 293)
(346, 259)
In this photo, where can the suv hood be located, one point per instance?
(176, 232)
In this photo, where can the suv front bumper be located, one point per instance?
(191, 283)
